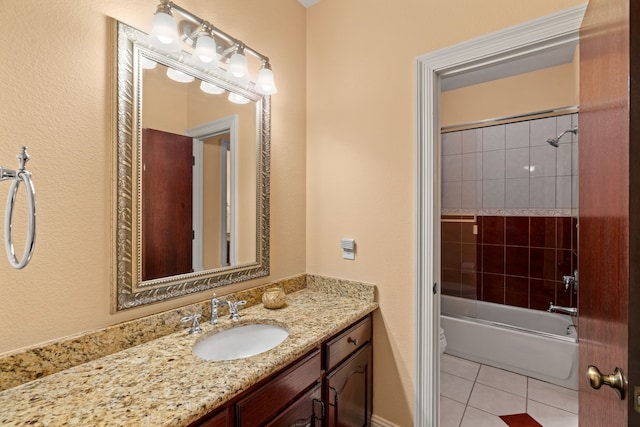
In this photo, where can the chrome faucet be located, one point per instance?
(234, 314)
(572, 311)
(571, 281)
(214, 310)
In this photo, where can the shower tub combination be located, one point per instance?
(534, 343)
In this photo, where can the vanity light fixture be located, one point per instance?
(265, 84)
(205, 53)
(147, 64)
(238, 70)
(179, 76)
(164, 35)
(237, 99)
(211, 88)
(213, 47)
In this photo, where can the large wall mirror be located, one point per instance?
(192, 167)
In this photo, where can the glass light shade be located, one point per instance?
(211, 88)
(164, 35)
(265, 84)
(238, 67)
(179, 76)
(147, 64)
(206, 49)
(238, 99)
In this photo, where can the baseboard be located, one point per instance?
(376, 421)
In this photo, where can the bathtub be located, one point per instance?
(529, 342)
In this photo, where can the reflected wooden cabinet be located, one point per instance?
(330, 386)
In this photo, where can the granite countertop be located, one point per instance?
(162, 383)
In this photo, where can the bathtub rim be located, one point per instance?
(568, 338)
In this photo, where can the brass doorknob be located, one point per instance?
(616, 380)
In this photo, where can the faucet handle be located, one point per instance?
(234, 314)
(195, 324)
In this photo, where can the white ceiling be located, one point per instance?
(308, 3)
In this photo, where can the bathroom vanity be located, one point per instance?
(330, 384)
(321, 373)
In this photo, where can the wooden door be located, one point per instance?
(609, 206)
(348, 396)
(167, 199)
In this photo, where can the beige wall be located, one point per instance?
(360, 153)
(57, 98)
(542, 90)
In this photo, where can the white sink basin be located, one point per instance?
(240, 342)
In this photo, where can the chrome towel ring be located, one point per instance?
(16, 177)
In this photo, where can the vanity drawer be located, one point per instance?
(346, 343)
(304, 412)
(270, 399)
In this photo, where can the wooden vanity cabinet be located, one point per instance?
(220, 419)
(347, 384)
(279, 393)
(330, 386)
(347, 391)
(305, 412)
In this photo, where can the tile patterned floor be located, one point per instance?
(475, 395)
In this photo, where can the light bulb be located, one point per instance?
(179, 76)
(211, 88)
(237, 99)
(206, 49)
(147, 64)
(238, 67)
(164, 35)
(265, 84)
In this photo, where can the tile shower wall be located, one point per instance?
(514, 260)
(524, 195)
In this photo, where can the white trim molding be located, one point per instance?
(376, 421)
(531, 38)
(199, 133)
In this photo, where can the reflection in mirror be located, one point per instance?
(192, 167)
(190, 176)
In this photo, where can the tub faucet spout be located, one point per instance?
(572, 311)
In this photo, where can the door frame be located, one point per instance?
(518, 42)
(199, 133)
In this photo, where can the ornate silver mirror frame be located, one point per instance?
(129, 289)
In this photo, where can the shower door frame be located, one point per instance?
(521, 41)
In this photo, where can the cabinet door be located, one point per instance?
(219, 420)
(279, 392)
(348, 391)
(307, 411)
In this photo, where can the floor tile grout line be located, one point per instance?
(526, 402)
(552, 406)
(526, 397)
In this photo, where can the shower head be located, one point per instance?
(555, 141)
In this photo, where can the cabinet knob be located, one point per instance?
(352, 341)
